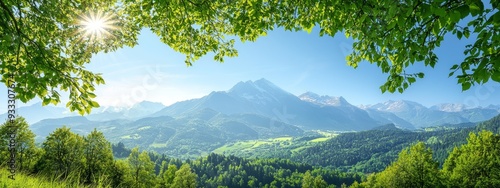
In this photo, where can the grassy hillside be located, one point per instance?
(271, 147)
(24, 181)
(365, 151)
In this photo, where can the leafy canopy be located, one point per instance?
(44, 46)
(413, 168)
(475, 164)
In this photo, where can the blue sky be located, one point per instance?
(295, 61)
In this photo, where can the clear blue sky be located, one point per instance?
(295, 61)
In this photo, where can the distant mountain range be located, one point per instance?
(249, 110)
(421, 116)
(264, 98)
(307, 111)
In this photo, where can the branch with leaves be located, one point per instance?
(50, 53)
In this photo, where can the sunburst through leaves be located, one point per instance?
(97, 25)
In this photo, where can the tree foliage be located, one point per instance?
(309, 181)
(167, 175)
(120, 174)
(66, 155)
(26, 153)
(475, 164)
(63, 153)
(184, 177)
(98, 156)
(142, 169)
(413, 168)
(44, 47)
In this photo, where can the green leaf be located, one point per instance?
(391, 25)
(466, 86)
(466, 33)
(455, 16)
(401, 22)
(405, 85)
(411, 80)
(95, 104)
(308, 29)
(400, 90)
(464, 11)
(476, 8)
(496, 76)
(459, 34)
(91, 95)
(54, 102)
(451, 74)
(391, 89)
(420, 75)
(383, 88)
(436, 29)
(46, 101)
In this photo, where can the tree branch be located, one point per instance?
(11, 15)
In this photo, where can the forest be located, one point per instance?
(372, 150)
(92, 161)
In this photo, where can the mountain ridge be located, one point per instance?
(249, 110)
(308, 110)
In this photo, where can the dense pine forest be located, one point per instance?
(384, 157)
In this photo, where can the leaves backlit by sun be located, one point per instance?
(96, 25)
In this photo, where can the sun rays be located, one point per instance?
(96, 26)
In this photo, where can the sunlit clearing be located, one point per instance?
(96, 25)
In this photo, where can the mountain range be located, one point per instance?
(249, 110)
(307, 111)
(264, 98)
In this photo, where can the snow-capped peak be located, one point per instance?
(448, 107)
(397, 106)
(324, 99)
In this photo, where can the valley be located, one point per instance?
(246, 120)
(258, 135)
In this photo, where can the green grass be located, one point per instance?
(320, 139)
(22, 180)
(327, 134)
(158, 145)
(241, 145)
(134, 136)
(259, 143)
(242, 148)
(299, 149)
(288, 138)
(126, 137)
(144, 128)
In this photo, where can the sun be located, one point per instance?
(96, 25)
